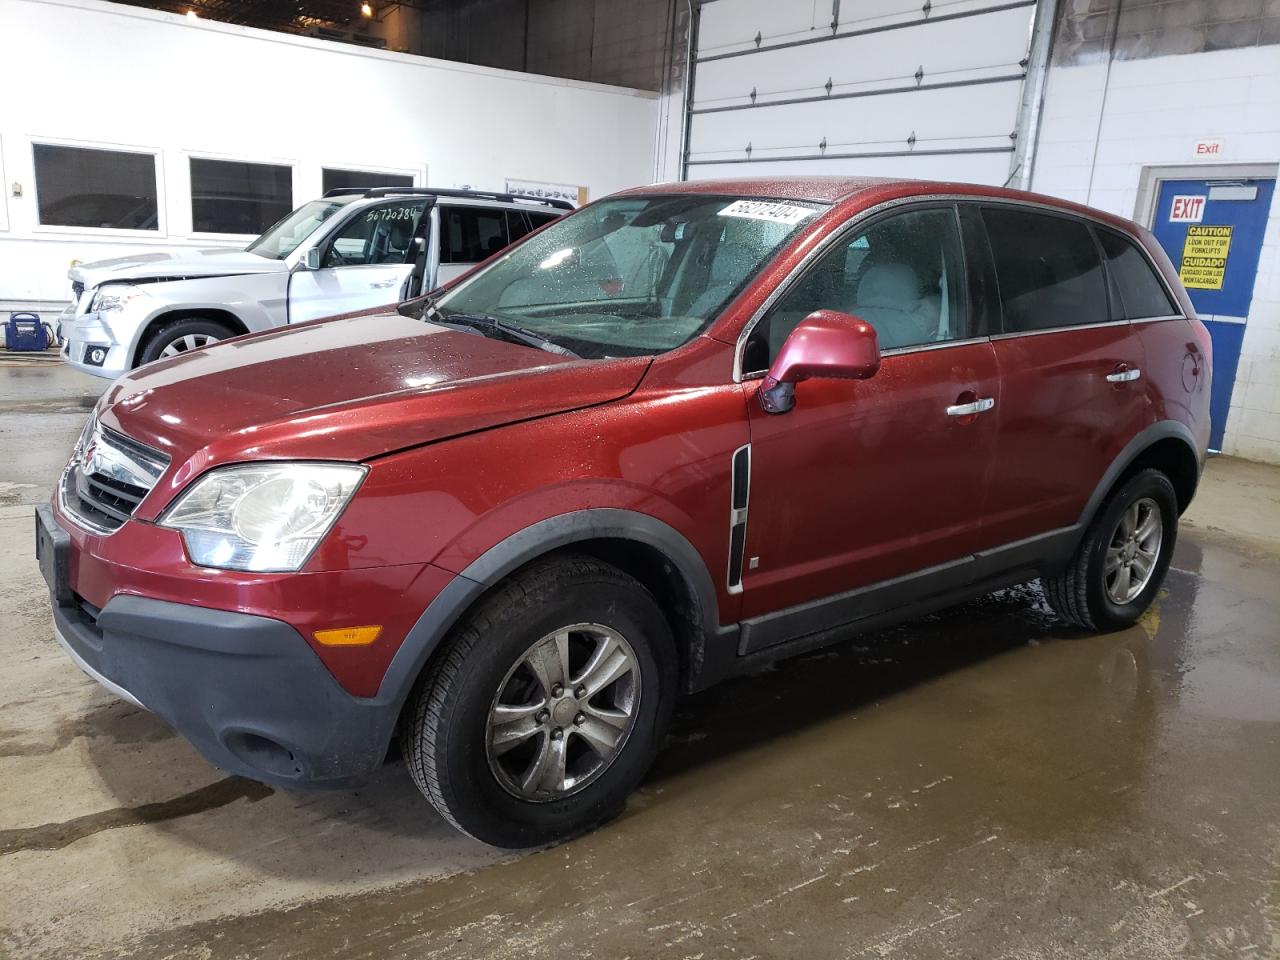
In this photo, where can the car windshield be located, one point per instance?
(631, 276)
(282, 239)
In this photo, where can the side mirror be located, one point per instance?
(312, 259)
(824, 345)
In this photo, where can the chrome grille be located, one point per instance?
(108, 477)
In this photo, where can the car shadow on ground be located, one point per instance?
(287, 833)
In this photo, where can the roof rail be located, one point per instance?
(441, 192)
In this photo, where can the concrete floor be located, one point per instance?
(979, 784)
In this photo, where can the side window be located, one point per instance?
(1048, 268)
(904, 275)
(471, 234)
(1141, 292)
(539, 219)
(378, 235)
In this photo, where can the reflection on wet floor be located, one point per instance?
(980, 783)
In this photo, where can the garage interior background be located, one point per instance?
(1126, 105)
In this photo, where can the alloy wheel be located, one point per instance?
(1133, 551)
(563, 713)
(188, 342)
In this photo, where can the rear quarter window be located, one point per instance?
(1142, 294)
(1049, 270)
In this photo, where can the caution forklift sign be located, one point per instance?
(1204, 257)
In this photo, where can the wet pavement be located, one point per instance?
(982, 783)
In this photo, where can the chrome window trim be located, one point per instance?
(1071, 329)
(739, 375)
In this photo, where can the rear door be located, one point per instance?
(1070, 371)
(363, 263)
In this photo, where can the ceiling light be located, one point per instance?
(366, 9)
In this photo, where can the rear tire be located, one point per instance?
(500, 754)
(1122, 560)
(179, 336)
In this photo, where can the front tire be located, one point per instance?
(546, 707)
(180, 336)
(1121, 562)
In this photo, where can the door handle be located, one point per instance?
(968, 409)
(1123, 374)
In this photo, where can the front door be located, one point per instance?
(1212, 231)
(363, 264)
(863, 482)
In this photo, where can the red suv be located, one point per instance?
(685, 430)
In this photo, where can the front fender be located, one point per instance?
(526, 545)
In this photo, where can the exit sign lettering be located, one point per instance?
(1187, 209)
(1213, 147)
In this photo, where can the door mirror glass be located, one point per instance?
(825, 345)
(312, 259)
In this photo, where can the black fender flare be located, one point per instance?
(1160, 430)
(452, 603)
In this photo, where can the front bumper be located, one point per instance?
(83, 334)
(246, 689)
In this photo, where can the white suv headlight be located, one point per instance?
(112, 297)
(265, 517)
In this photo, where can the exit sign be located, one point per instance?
(1214, 147)
(1188, 208)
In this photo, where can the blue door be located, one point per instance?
(1212, 231)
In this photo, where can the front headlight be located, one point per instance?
(265, 517)
(111, 297)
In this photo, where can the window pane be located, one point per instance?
(1141, 291)
(1048, 268)
(539, 219)
(332, 179)
(76, 187)
(381, 234)
(229, 196)
(903, 275)
(471, 234)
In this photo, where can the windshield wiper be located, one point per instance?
(487, 324)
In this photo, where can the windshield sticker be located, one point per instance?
(766, 210)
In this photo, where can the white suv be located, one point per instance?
(350, 250)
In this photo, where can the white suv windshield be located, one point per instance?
(282, 239)
(631, 276)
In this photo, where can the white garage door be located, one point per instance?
(871, 87)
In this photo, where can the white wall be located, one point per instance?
(1099, 132)
(100, 74)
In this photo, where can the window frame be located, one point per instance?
(325, 244)
(859, 223)
(189, 155)
(1098, 229)
(4, 192)
(418, 174)
(162, 226)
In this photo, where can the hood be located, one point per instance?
(174, 265)
(347, 389)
